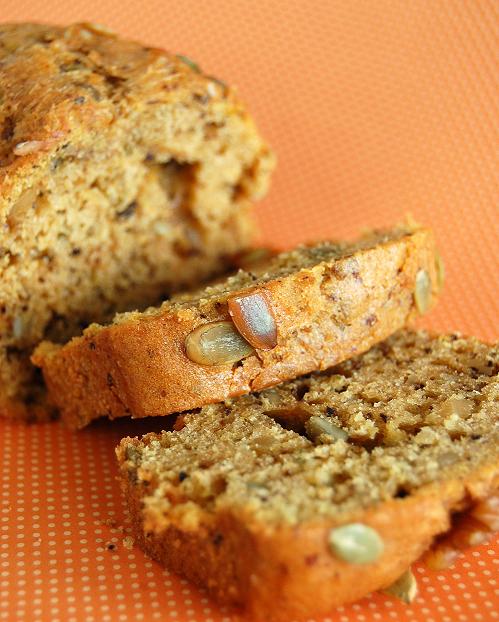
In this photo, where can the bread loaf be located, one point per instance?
(125, 174)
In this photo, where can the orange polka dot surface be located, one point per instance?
(376, 108)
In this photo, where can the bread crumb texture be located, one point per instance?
(125, 174)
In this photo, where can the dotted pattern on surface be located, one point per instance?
(64, 556)
(375, 109)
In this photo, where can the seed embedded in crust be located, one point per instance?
(18, 327)
(189, 62)
(217, 343)
(316, 426)
(29, 146)
(212, 89)
(422, 291)
(356, 543)
(405, 588)
(254, 318)
(99, 29)
(440, 270)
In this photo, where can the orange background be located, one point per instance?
(375, 108)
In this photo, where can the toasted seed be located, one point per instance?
(440, 270)
(254, 319)
(217, 343)
(257, 486)
(212, 89)
(18, 327)
(316, 426)
(405, 587)
(100, 29)
(356, 543)
(189, 62)
(29, 146)
(422, 291)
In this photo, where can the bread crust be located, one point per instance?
(42, 102)
(245, 564)
(324, 314)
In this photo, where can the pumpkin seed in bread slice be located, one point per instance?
(303, 310)
(245, 501)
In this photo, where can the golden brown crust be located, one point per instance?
(46, 98)
(245, 564)
(324, 314)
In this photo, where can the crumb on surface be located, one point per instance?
(128, 542)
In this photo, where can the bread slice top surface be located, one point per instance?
(414, 410)
(302, 259)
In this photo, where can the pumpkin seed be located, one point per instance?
(404, 588)
(422, 291)
(356, 543)
(217, 343)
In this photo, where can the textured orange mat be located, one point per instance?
(376, 108)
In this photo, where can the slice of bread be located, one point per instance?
(312, 494)
(125, 174)
(303, 310)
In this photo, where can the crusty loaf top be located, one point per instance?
(56, 81)
(414, 410)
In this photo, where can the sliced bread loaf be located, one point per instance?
(125, 173)
(303, 310)
(312, 494)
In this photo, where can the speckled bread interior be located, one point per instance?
(242, 497)
(329, 302)
(125, 174)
